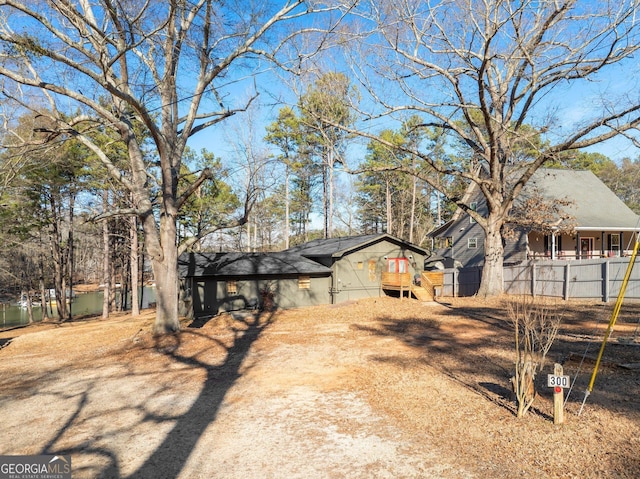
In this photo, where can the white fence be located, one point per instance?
(583, 279)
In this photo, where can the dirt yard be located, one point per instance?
(380, 388)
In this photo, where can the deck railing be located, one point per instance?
(396, 280)
(430, 280)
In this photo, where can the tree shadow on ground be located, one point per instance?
(471, 360)
(180, 442)
(231, 343)
(460, 356)
(582, 328)
(465, 359)
(200, 322)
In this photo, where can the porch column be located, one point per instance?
(553, 245)
(578, 246)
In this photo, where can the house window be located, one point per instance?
(442, 242)
(549, 242)
(472, 243)
(372, 270)
(398, 265)
(586, 247)
(232, 287)
(473, 206)
(614, 242)
(304, 282)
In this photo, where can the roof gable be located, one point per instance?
(593, 204)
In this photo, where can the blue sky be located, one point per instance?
(572, 103)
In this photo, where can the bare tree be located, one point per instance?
(325, 113)
(106, 259)
(284, 133)
(251, 158)
(165, 65)
(485, 72)
(135, 272)
(535, 322)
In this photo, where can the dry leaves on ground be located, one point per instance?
(374, 388)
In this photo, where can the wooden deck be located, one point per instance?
(403, 282)
(431, 280)
(396, 280)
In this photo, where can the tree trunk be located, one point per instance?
(413, 200)
(105, 260)
(165, 270)
(59, 262)
(388, 205)
(142, 263)
(125, 283)
(43, 292)
(162, 250)
(69, 268)
(330, 207)
(58, 283)
(113, 280)
(325, 200)
(43, 301)
(287, 207)
(492, 283)
(135, 301)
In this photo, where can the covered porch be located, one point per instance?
(581, 244)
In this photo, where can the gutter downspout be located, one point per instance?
(333, 291)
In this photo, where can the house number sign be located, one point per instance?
(554, 381)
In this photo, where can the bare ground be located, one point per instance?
(379, 388)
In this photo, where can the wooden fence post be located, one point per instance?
(533, 280)
(605, 286)
(566, 281)
(558, 397)
(455, 283)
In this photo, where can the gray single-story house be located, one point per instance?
(358, 262)
(325, 271)
(216, 282)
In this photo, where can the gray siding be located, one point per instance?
(210, 295)
(468, 241)
(339, 269)
(595, 210)
(357, 275)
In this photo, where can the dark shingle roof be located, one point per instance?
(247, 264)
(337, 247)
(593, 204)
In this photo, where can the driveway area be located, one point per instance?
(380, 388)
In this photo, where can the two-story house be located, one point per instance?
(601, 224)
